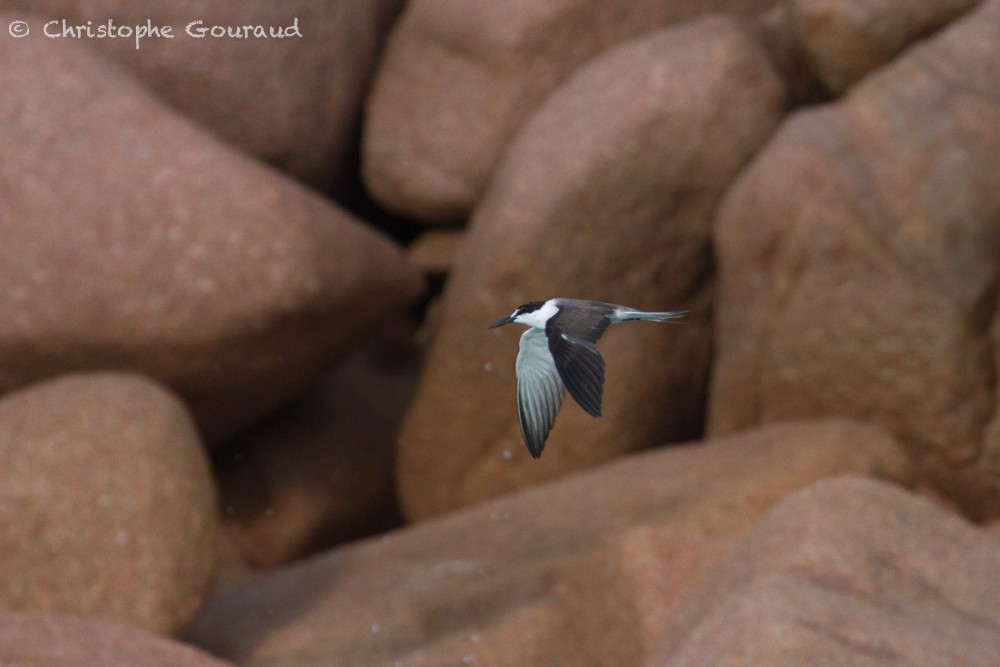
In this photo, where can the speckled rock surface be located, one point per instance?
(61, 640)
(458, 80)
(848, 571)
(844, 40)
(106, 502)
(150, 246)
(585, 570)
(858, 259)
(294, 101)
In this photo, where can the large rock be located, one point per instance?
(294, 101)
(549, 576)
(858, 263)
(321, 471)
(60, 640)
(987, 466)
(606, 194)
(844, 40)
(106, 502)
(459, 78)
(133, 240)
(847, 572)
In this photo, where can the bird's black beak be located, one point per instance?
(506, 320)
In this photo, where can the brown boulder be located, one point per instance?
(295, 101)
(458, 79)
(858, 262)
(845, 40)
(106, 502)
(61, 640)
(606, 194)
(553, 575)
(321, 471)
(984, 473)
(847, 572)
(144, 244)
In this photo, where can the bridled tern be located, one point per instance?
(559, 349)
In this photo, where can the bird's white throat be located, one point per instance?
(538, 318)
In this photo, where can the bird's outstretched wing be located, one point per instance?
(581, 368)
(539, 390)
(587, 321)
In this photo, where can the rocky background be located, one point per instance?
(250, 412)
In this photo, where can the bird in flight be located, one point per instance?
(558, 350)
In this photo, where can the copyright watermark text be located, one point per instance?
(110, 29)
